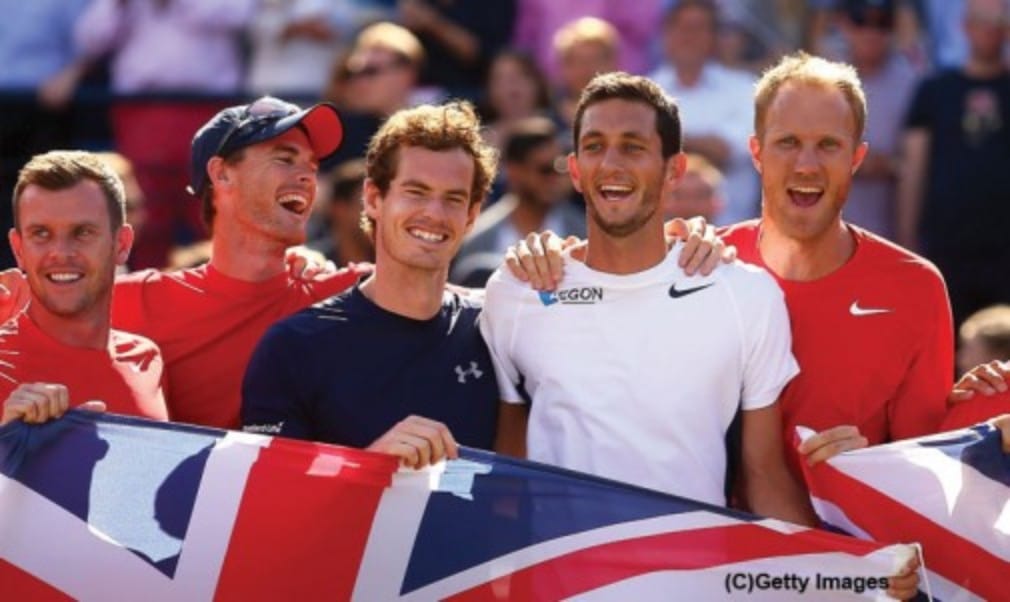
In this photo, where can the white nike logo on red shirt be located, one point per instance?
(855, 310)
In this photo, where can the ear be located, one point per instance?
(755, 152)
(371, 198)
(859, 156)
(218, 172)
(573, 172)
(676, 165)
(124, 242)
(15, 239)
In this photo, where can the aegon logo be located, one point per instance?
(586, 295)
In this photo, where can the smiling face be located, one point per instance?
(806, 156)
(67, 248)
(421, 220)
(270, 191)
(619, 166)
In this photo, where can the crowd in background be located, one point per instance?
(138, 77)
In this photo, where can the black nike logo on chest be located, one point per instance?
(677, 294)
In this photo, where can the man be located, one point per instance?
(537, 199)
(594, 359)
(69, 235)
(254, 168)
(870, 321)
(396, 364)
(713, 100)
(954, 196)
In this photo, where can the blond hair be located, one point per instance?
(813, 70)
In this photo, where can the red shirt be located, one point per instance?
(874, 340)
(207, 325)
(127, 376)
(977, 409)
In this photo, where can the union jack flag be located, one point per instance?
(950, 492)
(103, 507)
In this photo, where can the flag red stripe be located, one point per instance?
(587, 569)
(888, 520)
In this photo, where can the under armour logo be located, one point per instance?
(473, 370)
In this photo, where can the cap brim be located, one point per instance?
(321, 123)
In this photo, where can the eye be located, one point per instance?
(787, 142)
(830, 144)
(285, 159)
(591, 147)
(84, 232)
(38, 234)
(633, 147)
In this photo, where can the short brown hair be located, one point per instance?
(207, 210)
(814, 70)
(59, 170)
(435, 127)
(636, 88)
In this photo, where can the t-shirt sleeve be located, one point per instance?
(920, 403)
(768, 358)
(272, 400)
(497, 325)
(129, 309)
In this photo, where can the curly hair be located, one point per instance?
(435, 127)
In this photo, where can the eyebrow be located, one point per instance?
(425, 187)
(624, 134)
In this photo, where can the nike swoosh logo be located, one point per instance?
(687, 291)
(855, 310)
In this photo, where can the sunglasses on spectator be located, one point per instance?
(257, 114)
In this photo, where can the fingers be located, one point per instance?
(905, 583)
(35, 403)
(93, 406)
(831, 442)
(418, 442)
(305, 264)
(675, 229)
(537, 260)
(14, 295)
(987, 379)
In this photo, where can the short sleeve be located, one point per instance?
(497, 325)
(768, 358)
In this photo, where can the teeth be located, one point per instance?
(618, 189)
(805, 190)
(427, 236)
(294, 202)
(65, 277)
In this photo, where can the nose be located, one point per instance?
(807, 161)
(63, 247)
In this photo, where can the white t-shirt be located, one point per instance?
(638, 377)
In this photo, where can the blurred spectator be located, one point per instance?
(755, 33)
(136, 214)
(377, 78)
(537, 200)
(699, 192)
(954, 198)
(715, 102)
(539, 21)
(582, 48)
(459, 37)
(888, 82)
(984, 336)
(175, 59)
(293, 43)
(826, 36)
(40, 70)
(515, 89)
(344, 241)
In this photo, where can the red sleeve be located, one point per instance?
(977, 409)
(921, 402)
(331, 284)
